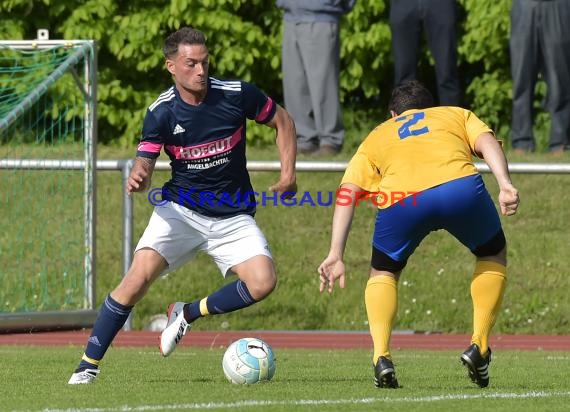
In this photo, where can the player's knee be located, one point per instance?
(258, 273)
(261, 286)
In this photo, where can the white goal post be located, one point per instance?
(58, 108)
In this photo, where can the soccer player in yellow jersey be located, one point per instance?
(417, 168)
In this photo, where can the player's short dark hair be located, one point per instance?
(410, 95)
(185, 35)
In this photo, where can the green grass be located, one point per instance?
(434, 291)
(139, 379)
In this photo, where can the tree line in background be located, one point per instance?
(244, 38)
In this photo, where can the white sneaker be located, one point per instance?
(84, 376)
(176, 327)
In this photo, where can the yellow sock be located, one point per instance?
(381, 299)
(487, 290)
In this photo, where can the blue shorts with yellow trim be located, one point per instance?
(463, 207)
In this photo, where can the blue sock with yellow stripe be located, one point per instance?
(228, 298)
(111, 318)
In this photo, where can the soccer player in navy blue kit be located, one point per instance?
(200, 123)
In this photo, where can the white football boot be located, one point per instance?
(176, 327)
(84, 376)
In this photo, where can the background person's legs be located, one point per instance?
(555, 42)
(320, 50)
(296, 88)
(406, 29)
(441, 28)
(525, 54)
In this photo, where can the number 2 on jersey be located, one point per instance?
(410, 126)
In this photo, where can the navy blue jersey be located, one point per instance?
(206, 145)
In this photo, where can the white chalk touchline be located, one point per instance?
(316, 402)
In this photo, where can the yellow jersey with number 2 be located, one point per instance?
(417, 150)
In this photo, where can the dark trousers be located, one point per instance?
(408, 19)
(540, 43)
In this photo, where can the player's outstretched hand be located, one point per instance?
(285, 189)
(331, 270)
(136, 181)
(509, 200)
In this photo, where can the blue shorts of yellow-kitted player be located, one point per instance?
(463, 207)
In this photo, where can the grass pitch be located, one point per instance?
(139, 379)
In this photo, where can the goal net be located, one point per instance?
(47, 182)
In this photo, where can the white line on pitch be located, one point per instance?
(316, 402)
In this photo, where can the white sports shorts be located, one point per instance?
(178, 233)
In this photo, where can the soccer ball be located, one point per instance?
(248, 360)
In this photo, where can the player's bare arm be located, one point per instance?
(332, 268)
(283, 123)
(489, 149)
(141, 174)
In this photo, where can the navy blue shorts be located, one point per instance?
(463, 207)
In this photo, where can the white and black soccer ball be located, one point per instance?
(248, 361)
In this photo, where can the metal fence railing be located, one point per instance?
(125, 166)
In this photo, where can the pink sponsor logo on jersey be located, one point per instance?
(209, 149)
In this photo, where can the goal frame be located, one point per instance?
(85, 50)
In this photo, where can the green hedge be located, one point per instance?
(245, 39)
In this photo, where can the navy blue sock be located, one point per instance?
(111, 318)
(228, 298)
